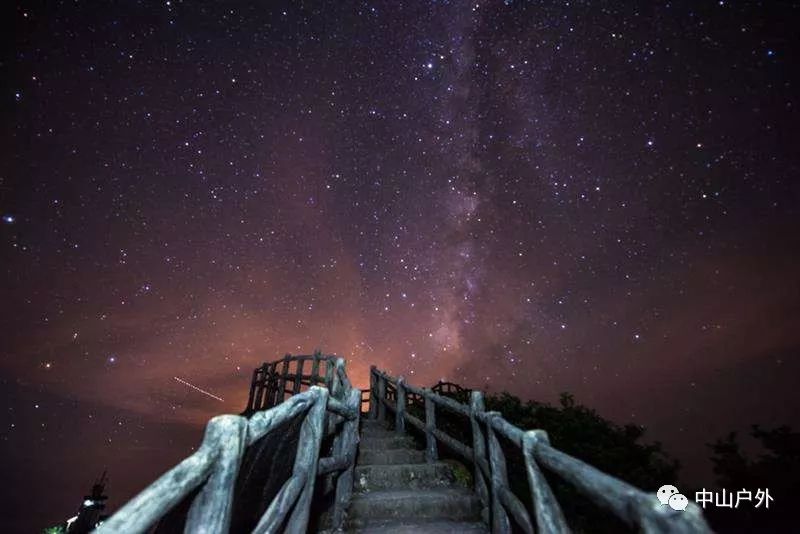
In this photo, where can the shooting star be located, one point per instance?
(204, 392)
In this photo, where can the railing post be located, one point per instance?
(258, 402)
(497, 463)
(281, 393)
(252, 397)
(400, 413)
(277, 392)
(145, 509)
(431, 449)
(373, 401)
(334, 391)
(347, 444)
(298, 377)
(476, 406)
(381, 398)
(211, 509)
(549, 517)
(269, 387)
(306, 460)
(329, 371)
(313, 381)
(336, 383)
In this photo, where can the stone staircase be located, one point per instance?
(396, 491)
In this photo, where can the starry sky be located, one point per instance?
(593, 197)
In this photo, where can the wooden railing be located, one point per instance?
(453, 391)
(324, 411)
(500, 505)
(445, 389)
(273, 382)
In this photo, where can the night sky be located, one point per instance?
(593, 197)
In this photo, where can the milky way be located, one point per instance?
(594, 197)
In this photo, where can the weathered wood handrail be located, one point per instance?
(630, 504)
(215, 465)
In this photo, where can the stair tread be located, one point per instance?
(389, 447)
(401, 494)
(390, 456)
(427, 504)
(365, 425)
(383, 433)
(429, 465)
(385, 437)
(379, 434)
(423, 467)
(378, 477)
(385, 444)
(423, 527)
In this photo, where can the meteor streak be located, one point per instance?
(204, 392)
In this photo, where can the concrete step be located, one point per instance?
(421, 527)
(388, 442)
(370, 426)
(379, 434)
(390, 456)
(403, 476)
(372, 422)
(422, 504)
(373, 426)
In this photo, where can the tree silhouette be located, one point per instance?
(581, 432)
(776, 469)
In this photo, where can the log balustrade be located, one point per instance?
(389, 398)
(329, 406)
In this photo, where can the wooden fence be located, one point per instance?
(276, 381)
(500, 505)
(327, 411)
